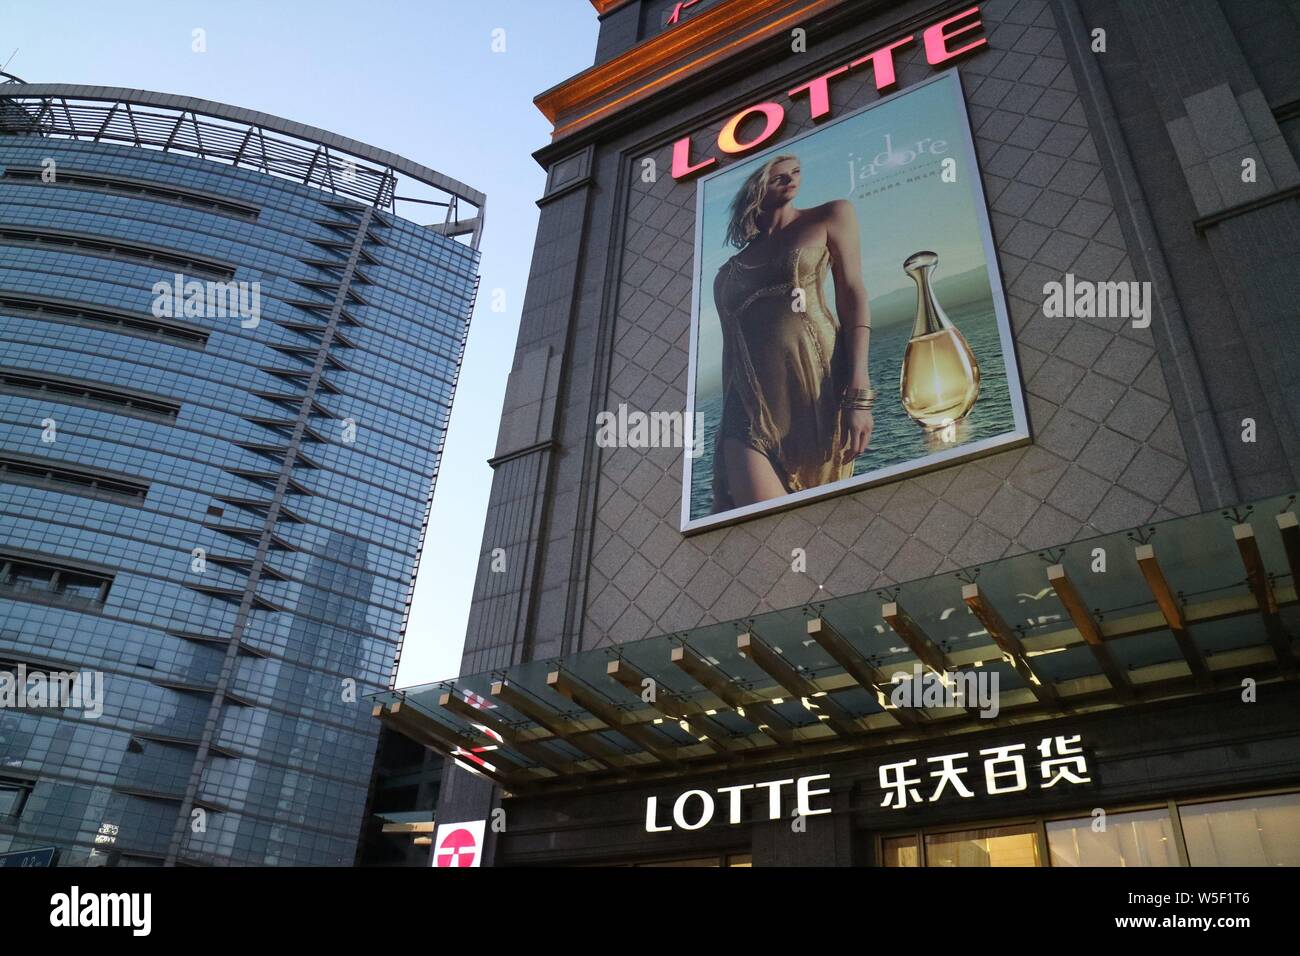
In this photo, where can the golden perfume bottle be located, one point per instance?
(940, 379)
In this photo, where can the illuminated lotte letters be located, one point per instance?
(693, 810)
(938, 40)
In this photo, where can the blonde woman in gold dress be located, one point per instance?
(796, 392)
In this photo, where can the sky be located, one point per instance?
(417, 77)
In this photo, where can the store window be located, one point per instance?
(1016, 845)
(993, 846)
(1256, 831)
(1243, 831)
(900, 851)
(1142, 838)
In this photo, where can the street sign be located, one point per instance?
(41, 856)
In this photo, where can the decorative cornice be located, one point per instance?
(604, 6)
(549, 444)
(712, 35)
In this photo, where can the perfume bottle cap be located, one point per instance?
(919, 260)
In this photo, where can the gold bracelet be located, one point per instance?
(867, 394)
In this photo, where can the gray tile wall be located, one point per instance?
(1192, 109)
(1107, 452)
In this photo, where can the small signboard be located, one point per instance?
(41, 856)
(459, 844)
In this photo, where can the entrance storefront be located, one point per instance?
(801, 740)
(973, 539)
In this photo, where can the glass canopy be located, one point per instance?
(1179, 607)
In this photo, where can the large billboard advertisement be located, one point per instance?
(848, 323)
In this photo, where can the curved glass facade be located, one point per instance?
(216, 507)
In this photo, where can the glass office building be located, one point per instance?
(227, 362)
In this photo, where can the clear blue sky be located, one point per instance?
(417, 77)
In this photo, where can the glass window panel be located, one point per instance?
(900, 851)
(29, 576)
(1142, 838)
(1258, 831)
(80, 586)
(11, 800)
(998, 846)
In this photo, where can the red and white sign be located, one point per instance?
(475, 754)
(459, 844)
(681, 7)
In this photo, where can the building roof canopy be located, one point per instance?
(233, 134)
(1183, 606)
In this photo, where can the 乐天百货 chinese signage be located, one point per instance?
(1005, 770)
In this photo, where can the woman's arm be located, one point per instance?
(854, 313)
(850, 293)
(719, 284)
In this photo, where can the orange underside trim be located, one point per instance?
(678, 52)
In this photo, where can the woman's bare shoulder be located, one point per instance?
(720, 280)
(835, 210)
(726, 268)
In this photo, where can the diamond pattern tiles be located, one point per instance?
(1106, 452)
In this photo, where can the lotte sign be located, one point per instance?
(459, 844)
(943, 42)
